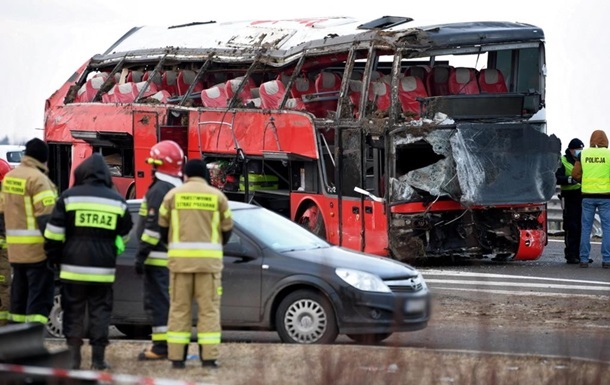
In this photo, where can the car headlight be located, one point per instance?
(362, 280)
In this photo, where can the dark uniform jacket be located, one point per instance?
(88, 226)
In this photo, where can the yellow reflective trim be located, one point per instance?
(95, 207)
(96, 219)
(21, 240)
(227, 214)
(196, 201)
(179, 338)
(156, 262)
(162, 210)
(29, 213)
(36, 318)
(148, 239)
(143, 211)
(47, 197)
(12, 185)
(215, 236)
(219, 290)
(16, 317)
(208, 338)
(175, 226)
(186, 253)
(2, 279)
(60, 237)
(3, 315)
(159, 337)
(86, 277)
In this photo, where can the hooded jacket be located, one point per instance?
(28, 200)
(599, 140)
(81, 235)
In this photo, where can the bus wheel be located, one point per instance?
(312, 220)
(131, 193)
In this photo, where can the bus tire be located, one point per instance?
(131, 192)
(312, 220)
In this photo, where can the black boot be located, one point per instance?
(75, 357)
(97, 358)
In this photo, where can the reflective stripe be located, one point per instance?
(159, 329)
(208, 338)
(179, 338)
(87, 274)
(3, 315)
(36, 318)
(182, 253)
(215, 237)
(143, 208)
(175, 226)
(159, 333)
(22, 233)
(16, 317)
(227, 214)
(55, 233)
(94, 203)
(156, 258)
(47, 197)
(23, 237)
(151, 237)
(196, 245)
(29, 213)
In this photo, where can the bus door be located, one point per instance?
(351, 227)
(145, 126)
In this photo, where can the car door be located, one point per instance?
(241, 281)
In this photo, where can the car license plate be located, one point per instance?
(415, 305)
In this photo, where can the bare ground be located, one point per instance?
(253, 364)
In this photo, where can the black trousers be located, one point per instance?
(572, 212)
(156, 299)
(32, 292)
(80, 301)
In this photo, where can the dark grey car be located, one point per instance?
(279, 276)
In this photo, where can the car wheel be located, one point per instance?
(54, 325)
(306, 317)
(369, 339)
(312, 220)
(134, 332)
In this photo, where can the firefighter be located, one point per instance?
(196, 219)
(167, 160)
(86, 232)
(5, 267)
(28, 200)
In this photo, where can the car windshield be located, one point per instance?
(275, 231)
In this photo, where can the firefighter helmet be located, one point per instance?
(4, 168)
(167, 157)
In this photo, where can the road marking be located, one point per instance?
(519, 284)
(562, 241)
(523, 293)
(450, 273)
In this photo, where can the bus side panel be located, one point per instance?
(80, 151)
(144, 137)
(375, 228)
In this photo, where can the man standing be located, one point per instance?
(572, 201)
(5, 267)
(28, 200)
(167, 159)
(592, 169)
(196, 219)
(86, 232)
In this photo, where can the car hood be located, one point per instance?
(336, 256)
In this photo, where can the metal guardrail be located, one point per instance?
(554, 215)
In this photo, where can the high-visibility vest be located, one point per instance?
(595, 170)
(568, 169)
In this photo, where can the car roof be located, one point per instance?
(233, 205)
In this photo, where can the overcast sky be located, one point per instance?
(44, 42)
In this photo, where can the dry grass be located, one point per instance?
(270, 364)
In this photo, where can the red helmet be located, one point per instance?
(167, 157)
(4, 168)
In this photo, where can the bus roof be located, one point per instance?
(283, 39)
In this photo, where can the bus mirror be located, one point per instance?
(368, 194)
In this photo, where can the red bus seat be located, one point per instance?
(437, 80)
(214, 96)
(156, 79)
(327, 85)
(184, 81)
(463, 81)
(409, 89)
(417, 71)
(379, 93)
(355, 95)
(128, 92)
(88, 90)
(492, 81)
(134, 76)
(169, 82)
(302, 86)
(272, 93)
(231, 87)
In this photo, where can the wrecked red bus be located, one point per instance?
(387, 136)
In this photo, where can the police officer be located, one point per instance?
(167, 159)
(5, 267)
(572, 201)
(86, 232)
(592, 169)
(196, 219)
(28, 200)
